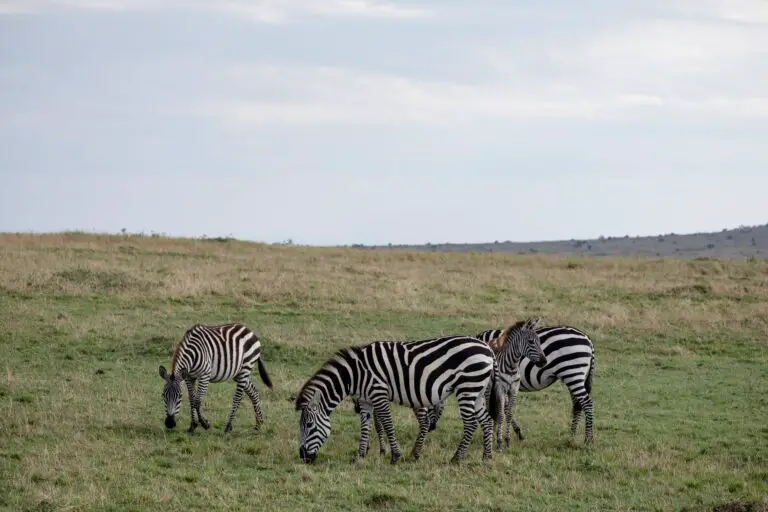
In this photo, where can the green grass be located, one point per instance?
(681, 389)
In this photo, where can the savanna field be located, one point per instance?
(680, 390)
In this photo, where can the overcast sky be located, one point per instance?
(363, 121)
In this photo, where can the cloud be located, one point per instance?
(313, 95)
(748, 12)
(266, 11)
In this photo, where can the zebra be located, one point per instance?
(521, 341)
(417, 374)
(213, 353)
(424, 415)
(571, 358)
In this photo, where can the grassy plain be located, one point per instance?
(681, 388)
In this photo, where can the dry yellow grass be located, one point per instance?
(635, 294)
(85, 320)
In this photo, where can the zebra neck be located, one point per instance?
(509, 361)
(329, 399)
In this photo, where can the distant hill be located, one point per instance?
(743, 242)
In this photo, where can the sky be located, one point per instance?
(365, 121)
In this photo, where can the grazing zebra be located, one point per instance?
(213, 353)
(417, 374)
(571, 358)
(521, 341)
(425, 415)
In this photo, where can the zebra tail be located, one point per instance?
(590, 374)
(263, 374)
(496, 390)
(493, 402)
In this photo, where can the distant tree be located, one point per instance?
(754, 242)
(710, 246)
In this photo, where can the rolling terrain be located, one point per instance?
(743, 242)
(681, 387)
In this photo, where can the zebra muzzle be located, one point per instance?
(170, 421)
(306, 457)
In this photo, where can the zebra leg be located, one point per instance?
(202, 387)
(486, 422)
(381, 435)
(423, 417)
(191, 391)
(588, 408)
(365, 428)
(469, 417)
(384, 415)
(508, 420)
(575, 416)
(237, 396)
(434, 414)
(253, 393)
(498, 421)
(509, 411)
(581, 401)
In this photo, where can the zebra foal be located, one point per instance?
(417, 374)
(570, 357)
(213, 353)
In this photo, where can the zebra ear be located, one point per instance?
(163, 372)
(534, 322)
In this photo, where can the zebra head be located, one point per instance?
(171, 395)
(522, 340)
(314, 425)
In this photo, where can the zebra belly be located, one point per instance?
(221, 373)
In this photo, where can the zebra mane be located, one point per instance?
(175, 357)
(497, 344)
(307, 391)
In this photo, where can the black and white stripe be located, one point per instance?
(517, 342)
(417, 374)
(213, 353)
(520, 340)
(570, 358)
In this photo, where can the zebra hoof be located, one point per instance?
(228, 428)
(395, 458)
(192, 428)
(205, 424)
